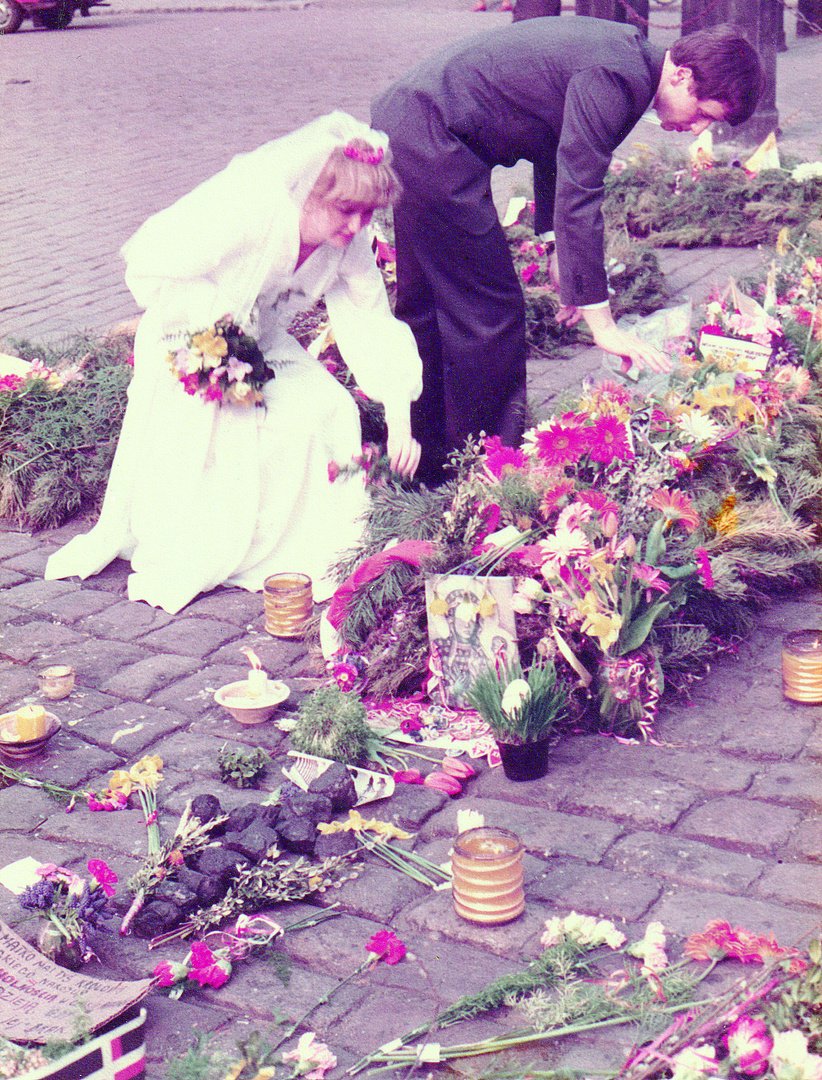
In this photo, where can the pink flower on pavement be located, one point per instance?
(385, 945)
(206, 968)
(408, 776)
(105, 877)
(749, 1045)
(168, 973)
(312, 1060)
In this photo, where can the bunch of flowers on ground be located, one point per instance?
(74, 908)
(641, 526)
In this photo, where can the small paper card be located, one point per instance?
(733, 354)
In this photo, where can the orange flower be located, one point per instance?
(726, 521)
(676, 507)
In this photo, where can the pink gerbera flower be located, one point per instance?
(676, 507)
(560, 445)
(500, 459)
(607, 441)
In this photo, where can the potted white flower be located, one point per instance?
(521, 709)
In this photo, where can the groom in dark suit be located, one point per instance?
(561, 93)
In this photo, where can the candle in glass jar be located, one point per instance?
(802, 666)
(31, 722)
(486, 865)
(289, 602)
(57, 682)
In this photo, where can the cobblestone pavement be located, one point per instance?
(719, 818)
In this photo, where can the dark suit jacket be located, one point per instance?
(559, 92)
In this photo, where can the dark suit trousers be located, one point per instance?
(460, 295)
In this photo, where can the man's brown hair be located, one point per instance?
(725, 66)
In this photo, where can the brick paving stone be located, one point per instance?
(753, 735)
(806, 842)
(29, 562)
(335, 946)
(760, 826)
(173, 1026)
(813, 747)
(96, 661)
(195, 695)
(546, 792)
(435, 916)
(36, 595)
(10, 577)
(191, 637)
(129, 728)
(141, 680)
(545, 833)
(685, 911)
(17, 682)
(122, 828)
(377, 892)
(571, 885)
(16, 543)
(793, 783)
(792, 883)
(71, 763)
(687, 862)
(645, 801)
(22, 809)
(81, 608)
(36, 640)
(711, 771)
(120, 620)
(232, 605)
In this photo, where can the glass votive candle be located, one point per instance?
(57, 682)
(802, 666)
(288, 604)
(486, 867)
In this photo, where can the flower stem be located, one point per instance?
(321, 1001)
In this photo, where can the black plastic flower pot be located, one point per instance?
(525, 761)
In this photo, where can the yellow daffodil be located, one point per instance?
(120, 781)
(147, 773)
(605, 628)
(438, 606)
(602, 566)
(589, 604)
(357, 823)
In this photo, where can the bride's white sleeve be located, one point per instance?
(379, 349)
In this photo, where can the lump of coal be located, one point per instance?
(183, 896)
(157, 917)
(206, 807)
(298, 834)
(336, 784)
(253, 842)
(304, 804)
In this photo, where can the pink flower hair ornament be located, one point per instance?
(366, 157)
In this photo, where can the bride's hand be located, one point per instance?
(403, 449)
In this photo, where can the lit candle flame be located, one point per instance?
(253, 659)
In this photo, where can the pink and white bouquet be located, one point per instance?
(222, 363)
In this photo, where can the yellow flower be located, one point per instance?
(744, 409)
(603, 627)
(357, 823)
(210, 344)
(717, 396)
(147, 773)
(589, 604)
(486, 606)
(602, 566)
(438, 606)
(120, 781)
(782, 242)
(726, 522)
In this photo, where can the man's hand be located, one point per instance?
(611, 339)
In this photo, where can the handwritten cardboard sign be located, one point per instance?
(40, 1001)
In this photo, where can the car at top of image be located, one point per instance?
(44, 14)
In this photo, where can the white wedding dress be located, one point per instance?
(202, 494)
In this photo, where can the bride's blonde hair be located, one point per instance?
(354, 178)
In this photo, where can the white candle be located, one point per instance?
(257, 681)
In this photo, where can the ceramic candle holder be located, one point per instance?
(57, 682)
(250, 708)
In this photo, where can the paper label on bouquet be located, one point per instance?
(470, 628)
(733, 354)
(368, 785)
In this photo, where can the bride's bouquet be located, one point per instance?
(222, 364)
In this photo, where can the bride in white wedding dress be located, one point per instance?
(203, 493)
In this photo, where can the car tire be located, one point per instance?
(11, 15)
(56, 19)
